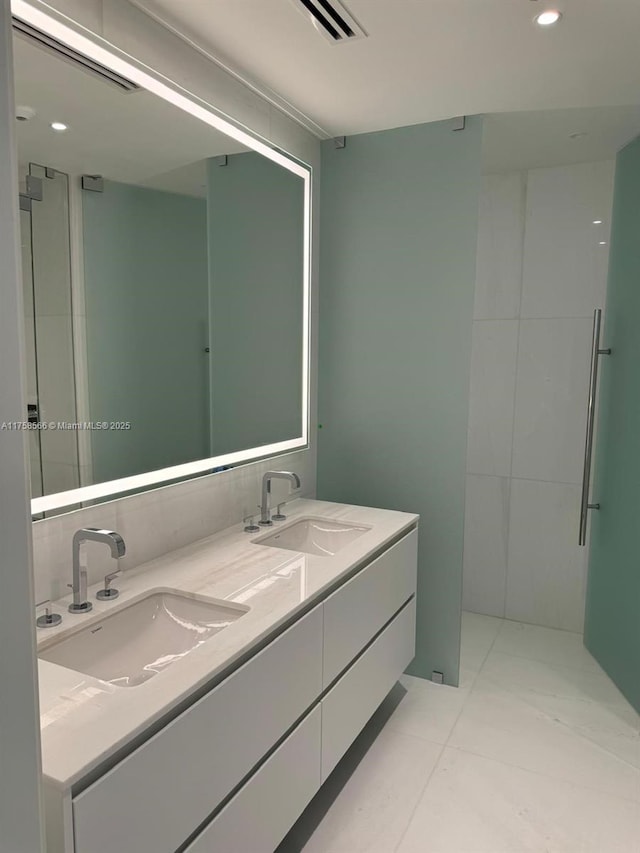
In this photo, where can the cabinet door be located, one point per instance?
(359, 609)
(262, 812)
(154, 799)
(349, 704)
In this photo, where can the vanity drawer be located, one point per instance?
(156, 797)
(348, 705)
(262, 812)
(359, 609)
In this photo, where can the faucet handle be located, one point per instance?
(108, 593)
(278, 515)
(48, 619)
(250, 527)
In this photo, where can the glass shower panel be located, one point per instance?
(612, 622)
(400, 214)
(30, 338)
(54, 345)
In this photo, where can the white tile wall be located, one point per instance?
(500, 243)
(565, 267)
(547, 568)
(551, 399)
(529, 386)
(486, 532)
(493, 382)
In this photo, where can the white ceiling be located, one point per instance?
(423, 60)
(529, 140)
(130, 137)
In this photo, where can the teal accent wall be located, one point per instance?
(255, 229)
(146, 285)
(398, 226)
(612, 620)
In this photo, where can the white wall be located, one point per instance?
(167, 518)
(541, 271)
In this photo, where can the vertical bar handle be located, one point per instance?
(596, 352)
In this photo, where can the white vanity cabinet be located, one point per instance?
(233, 772)
(363, 606)
(262, 812)
(166, 788)
(349, 704)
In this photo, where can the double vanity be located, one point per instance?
(195, 702)
(203, 706)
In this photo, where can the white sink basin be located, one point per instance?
(135, 643)
(320, 536)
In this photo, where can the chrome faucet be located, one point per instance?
(79, 585)
(266, 491)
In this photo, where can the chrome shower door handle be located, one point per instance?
(596, 352)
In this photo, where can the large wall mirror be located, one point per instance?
(165, 273)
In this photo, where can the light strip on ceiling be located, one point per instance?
(163, 88)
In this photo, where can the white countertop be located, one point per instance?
(85, 720)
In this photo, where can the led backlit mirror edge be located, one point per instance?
(108, 56)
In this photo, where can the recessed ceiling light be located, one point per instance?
(603, 242)
(597, 221)
(58, 126)
(548, 18)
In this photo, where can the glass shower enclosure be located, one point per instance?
(49, 333)
(612, 619)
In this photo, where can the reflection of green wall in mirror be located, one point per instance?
(145, 256)
(255, 224)
(399, 213)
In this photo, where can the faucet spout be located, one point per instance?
(79, 586)
(266, 491)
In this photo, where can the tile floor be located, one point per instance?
(536, 751)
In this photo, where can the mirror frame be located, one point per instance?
(161, 86)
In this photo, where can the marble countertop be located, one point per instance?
(85, 720)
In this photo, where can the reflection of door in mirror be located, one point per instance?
(30, 343)
(49, 331)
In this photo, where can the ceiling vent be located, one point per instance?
(332, 20)
(63, 51)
